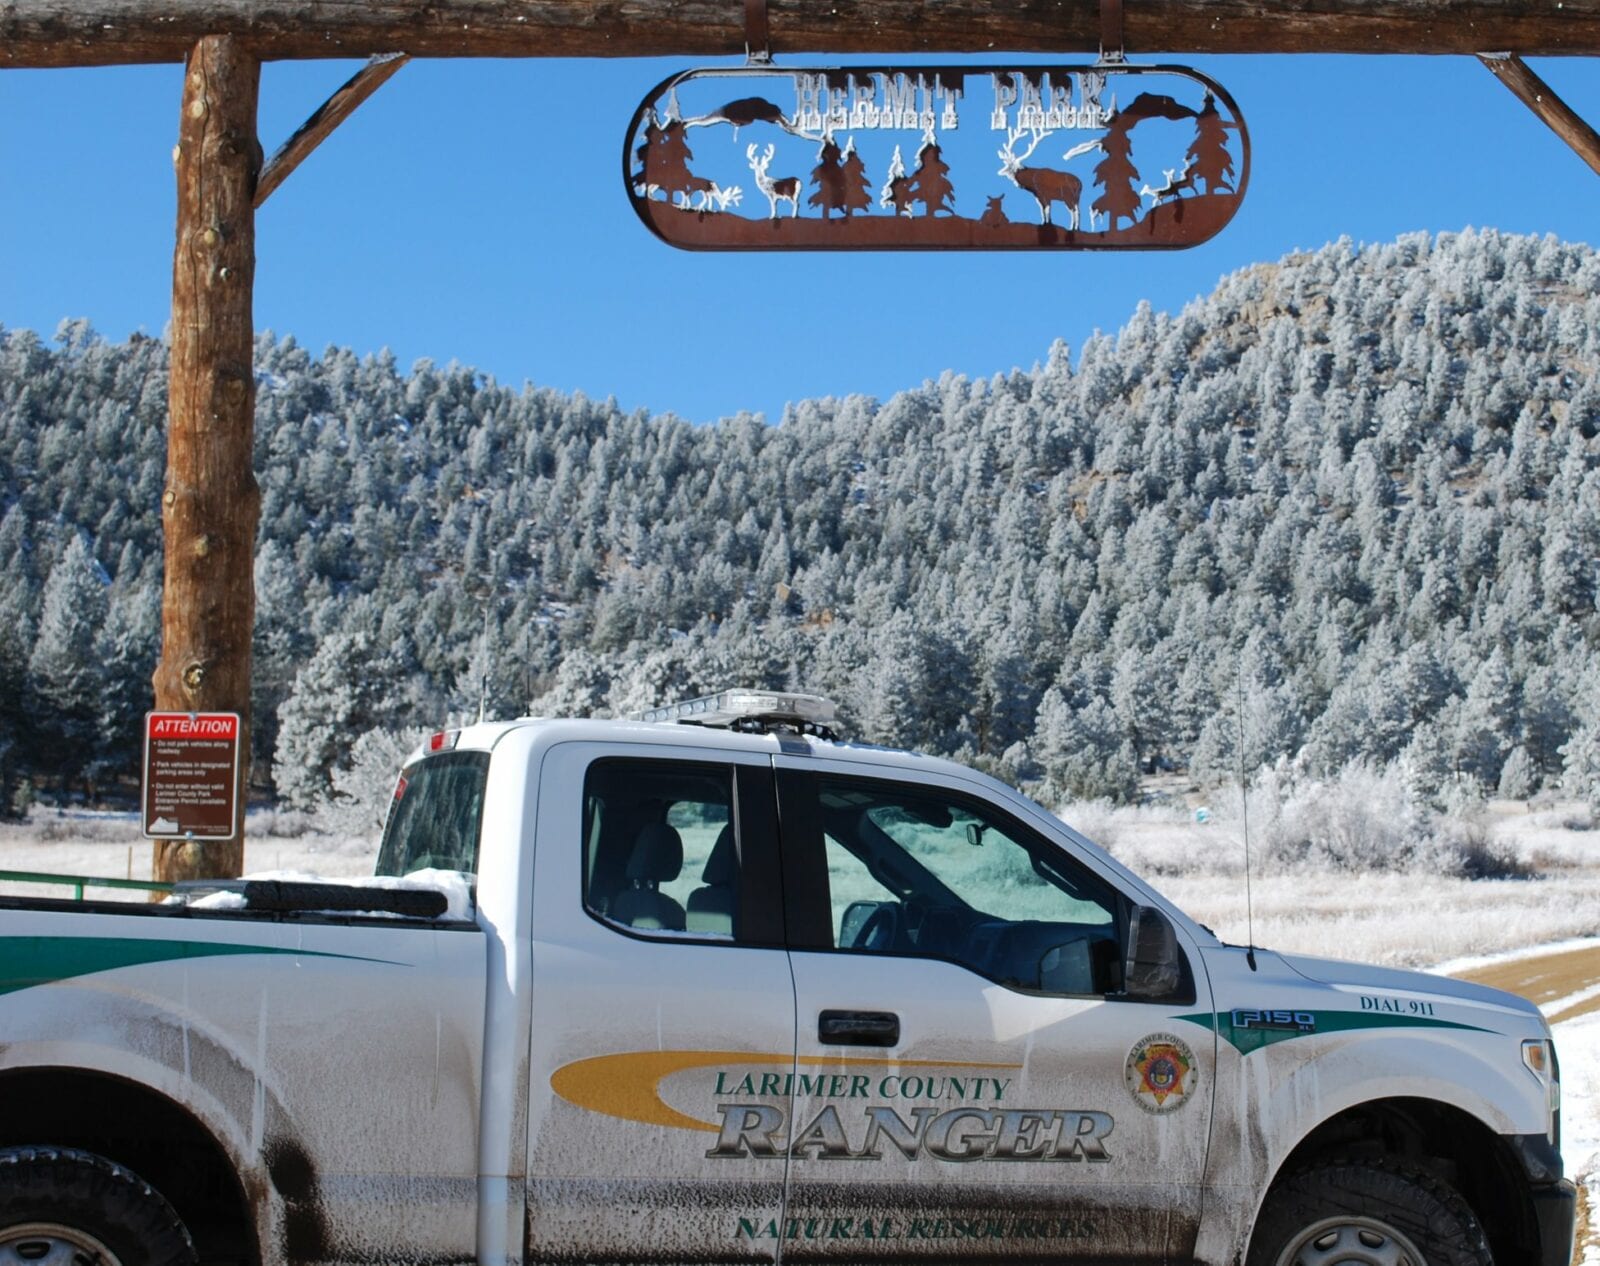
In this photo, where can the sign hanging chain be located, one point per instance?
(757, 45)
(1111, 48)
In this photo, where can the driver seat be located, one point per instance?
(657, 858)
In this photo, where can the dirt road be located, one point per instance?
(1547, 978)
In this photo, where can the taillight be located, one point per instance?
(444, 741)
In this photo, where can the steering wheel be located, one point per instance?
(881, 930)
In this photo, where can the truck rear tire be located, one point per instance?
(1368, 1212)
(63, 1207)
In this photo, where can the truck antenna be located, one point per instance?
(1244, 800)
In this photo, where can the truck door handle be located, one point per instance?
(858, 1028)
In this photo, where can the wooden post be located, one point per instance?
(106, 32)
(322, 124)
(1557, 115)
(211, 503)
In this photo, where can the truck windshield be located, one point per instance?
(435, 815)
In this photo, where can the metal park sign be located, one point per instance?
(1107, 156)
(191, 775)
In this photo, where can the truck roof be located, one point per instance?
(485, 735)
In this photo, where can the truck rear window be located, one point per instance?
(435, 816)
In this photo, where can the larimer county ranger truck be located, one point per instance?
(730, 992)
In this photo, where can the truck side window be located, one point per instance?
(661, 853)
(919, 872)
(435, 816)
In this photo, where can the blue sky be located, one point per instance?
(474, 210)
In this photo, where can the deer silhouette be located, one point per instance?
(994, 215)
(1172, 188)
(1046, 184)
(700, 194)
(784, 189)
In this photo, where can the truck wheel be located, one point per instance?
(61, 1207)
(1370, 1212)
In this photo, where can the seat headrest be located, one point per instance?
(657, 854)
(722, 867)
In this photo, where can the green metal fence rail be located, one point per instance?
(79, 882)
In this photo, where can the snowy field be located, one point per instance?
(1427, 915)
(1419, 916)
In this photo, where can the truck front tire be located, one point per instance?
(63, 1207)
(1367, 1212)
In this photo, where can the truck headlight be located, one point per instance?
(1539, 1057)
(1536, 1055)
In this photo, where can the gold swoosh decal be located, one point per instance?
(628, 1085)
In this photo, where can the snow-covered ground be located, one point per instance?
(1578, 1042)
(110, 845)
(1406, 918)
(1416, 917)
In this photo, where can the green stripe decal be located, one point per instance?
(27, 961)
(1245, 1040)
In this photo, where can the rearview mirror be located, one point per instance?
(1153, 969)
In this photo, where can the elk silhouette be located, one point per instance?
(1046, 184)
(784, 189)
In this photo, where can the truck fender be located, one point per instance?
(243, 1115)
(1282, 1095)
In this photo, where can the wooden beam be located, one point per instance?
(100, 32)
(332, 112)
(1561, 119)
(211, 503)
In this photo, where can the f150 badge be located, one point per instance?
(1283, 1021)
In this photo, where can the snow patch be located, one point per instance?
(1557, 1005)
(1579, 1042)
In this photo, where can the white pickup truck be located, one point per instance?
(733, 992)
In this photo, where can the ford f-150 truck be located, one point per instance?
(733, 992)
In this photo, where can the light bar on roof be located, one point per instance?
(730, 707)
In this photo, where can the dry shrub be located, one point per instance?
(1477, 856)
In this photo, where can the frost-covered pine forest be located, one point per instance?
(1344, 509)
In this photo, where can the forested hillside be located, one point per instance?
(1354, 495)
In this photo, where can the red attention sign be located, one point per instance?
(191, 763)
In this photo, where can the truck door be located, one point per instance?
(661, 989)
(969, 1083)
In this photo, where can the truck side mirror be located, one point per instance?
(1152, 970)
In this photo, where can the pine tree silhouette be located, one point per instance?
(1208, 156)
(1115, 174)
(828, 177)
(857, 188)
(663, 159)
(930, 183)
